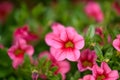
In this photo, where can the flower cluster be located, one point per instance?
(65, 43)
(65, 52)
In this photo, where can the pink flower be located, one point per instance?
(104, 72)
(63, 66)
(65, 43)
(116, 7)
(5, 10)
(116, 43)
(92, 9)
(23, 32)
(87, 60)
(1, 46)
(88, 77)
(99, 31)
(17, 51)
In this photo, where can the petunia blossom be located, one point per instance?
(87, 60)
(62, 66)
(116, 43)
(17, 51)
(64, 43)
(93, 10)
(88, 77)
(104, 72)
(5, 10)
(23, 32)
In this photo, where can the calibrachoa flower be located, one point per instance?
(65, 42)
(104, 72)
(17, 51)
(93, 10)
(88, 77)
(63, 66)
(116, 43)
(5, 10)
(23, 32)
(87, 60)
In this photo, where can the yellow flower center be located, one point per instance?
(18, 52)
(101, 77)
(87, 64)
(69, 44)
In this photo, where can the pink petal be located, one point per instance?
(53, 40)
(80, 67)
(57, 28)
(78, 41)
(116, 44)
(29, 50)
(58, 54)
(88, 77)
(70, 33)
(73, 55)
(17, 62)
(63, 36)
(105, 67)
(20, 42)
(64, 66)
(113, 74)
(97, 70)
(45, 53)
(84, 54)
(11, 52)
(118, 36)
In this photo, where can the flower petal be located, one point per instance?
(105, 67)
(78, 41)
(58, 54)
(57, 28)
(116, 44)
(73, 55)
(113, 74)
(64, 66)
(53, 40)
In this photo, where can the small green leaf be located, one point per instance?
(99, 52)
(91, 32)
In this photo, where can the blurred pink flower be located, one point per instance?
(99, 31)
(104, 72)
(88, 77)
(5, 10)
(64, 42)
(17, 51)
(93, 10)
(87, 60)
(63, 66)
(116, 43)
(1, 46)
(23, 32)
(116, 7)
(109, 39)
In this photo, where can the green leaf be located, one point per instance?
(109, 53)
(99, 52)
(53, 69)
(37, 10)
(91, 32)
